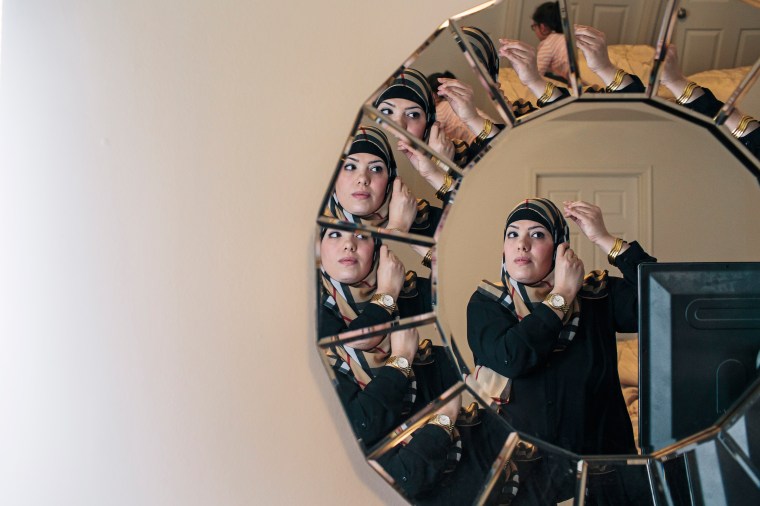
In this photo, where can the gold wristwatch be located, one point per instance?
(556, 301)
(443, 421)
(401, 364)
(385, 301)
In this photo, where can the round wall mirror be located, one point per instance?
(418, 212)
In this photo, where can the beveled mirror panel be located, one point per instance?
(668, 175)
(354, 264)
(376, 400)
(432, 466)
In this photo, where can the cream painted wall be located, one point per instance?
(162, 163)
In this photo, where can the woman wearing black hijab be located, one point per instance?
(408, 100)
(544, 336)
(368, 191)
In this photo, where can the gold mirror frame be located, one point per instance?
(728, 435)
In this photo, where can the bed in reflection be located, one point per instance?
(628, 369)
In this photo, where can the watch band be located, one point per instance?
(380, 300)
(396, 363)
(562, 307)
(442, 421)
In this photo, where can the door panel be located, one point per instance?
(717, 34)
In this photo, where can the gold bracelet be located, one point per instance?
(616, 82)
(743, 124)
(548, 92)
(615, 251)
(486, 131)
(686, 95)
(427, 260)
(444, 189)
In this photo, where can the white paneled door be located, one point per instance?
(716, 34)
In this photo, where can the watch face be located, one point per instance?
(402, 362)
(387, 300)
(444, 419)
(557, 300)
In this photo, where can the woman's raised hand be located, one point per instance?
(390, 273)
(568, 272)
(440, 142)
(593, 43)
(673, 79)
(460, 97)
(671, 69)
(403, 207)
(424, 165)
(589, 219)
(404, 343)
(522, 56)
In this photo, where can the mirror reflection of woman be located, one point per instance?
(544, 336)
(355, 268)
(593, 44)
(383, 380)
(551, 55)
(368, 190)
(460, 95)
(701, 99)
(408, 100)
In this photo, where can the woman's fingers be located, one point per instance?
(437, 132)
(515, 48)
(588, 217)
(587, 31)
(397, 185)
(452, 84)
(393, 262)
(400, 188)
(579, 205)
(515, 53)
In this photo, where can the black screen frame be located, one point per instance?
(726, 292)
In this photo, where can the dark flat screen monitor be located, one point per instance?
(699, 338)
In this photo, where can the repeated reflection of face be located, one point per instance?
(346, 256)
(362, 183)
(528, 251)
(406, 113)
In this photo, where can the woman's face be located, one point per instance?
(528, 251)
(541, 30)
(408, 114)
(362, 183)
(346, 256)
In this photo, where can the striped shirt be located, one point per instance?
(552, 56)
